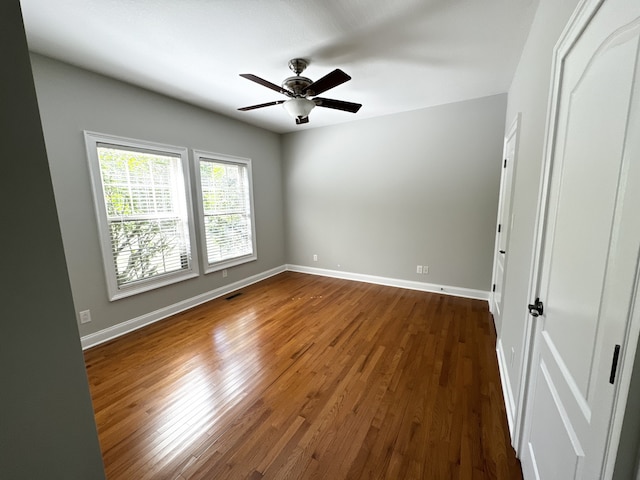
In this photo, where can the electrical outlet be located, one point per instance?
(419, 269)
(425, 269)
(85, 316)
(224, 273)
(315, 257)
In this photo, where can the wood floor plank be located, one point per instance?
(306, 377)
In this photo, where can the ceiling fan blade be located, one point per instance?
(265, 83)
(301, 120)
(337, 104)
(268, 104)
(333, 79)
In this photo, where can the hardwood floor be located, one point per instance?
(306, 377)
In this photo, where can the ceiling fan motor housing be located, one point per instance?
(297, 85)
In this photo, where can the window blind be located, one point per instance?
(226, 207)
(147, 222)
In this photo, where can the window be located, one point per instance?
(225, 199)
(144, 219)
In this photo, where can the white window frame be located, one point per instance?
(202, 156)
(115, 292)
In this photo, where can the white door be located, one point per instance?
(504, 222)
(588, 247)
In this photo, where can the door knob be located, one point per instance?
(537, 308)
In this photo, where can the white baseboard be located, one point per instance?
(507, 391)
(492, 304)
(128, 326)
(123, 328)
(393, 282)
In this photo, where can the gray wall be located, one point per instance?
(529, 95)
(380, 196)
(72, 100)
(47, 428)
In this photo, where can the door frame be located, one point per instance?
(579, 20)
(514, 130)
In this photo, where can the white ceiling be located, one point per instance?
(401, 54)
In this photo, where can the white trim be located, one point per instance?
(115, 292)
(507, 390)
(128, 326)
(393, 282)
(513, 132)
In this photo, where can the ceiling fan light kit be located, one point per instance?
(298, 107)
(299, 89)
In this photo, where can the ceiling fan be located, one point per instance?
(299, 89)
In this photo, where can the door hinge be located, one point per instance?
(537, 308)
(493, 288)
(499, 228)
(614, 364)
(505, 163)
